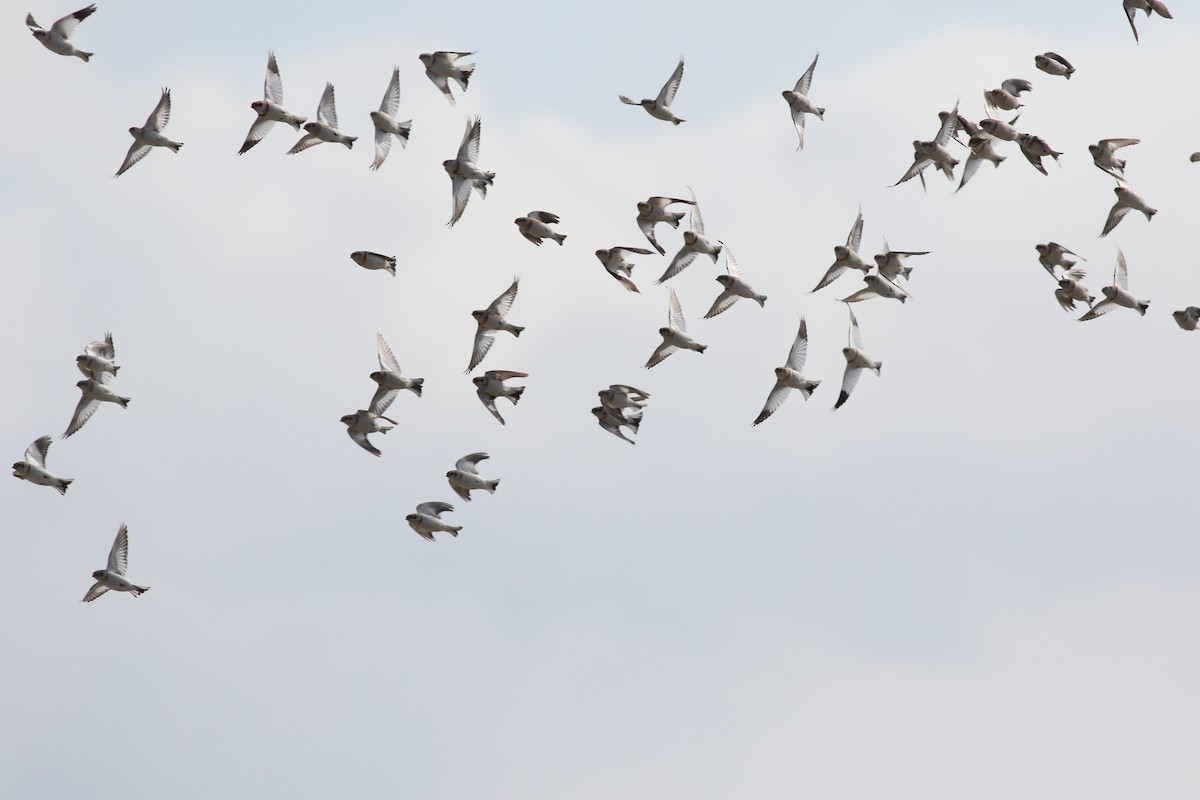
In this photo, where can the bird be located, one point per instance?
(694, 244)
(1104, 156)
(1034, 148)
(612, 420)
(493, 318)
(798, 102)
(856, 361)
(325, 129)
(660, 107)
(983, 148)
(150, 135)
(58, 38)
(92, 394)
(386, 125)
(790, 376)
(1006, 97)
(618, 396)
(368, 260)
(464, 172)
(999, 129)
(442, 67)
(1071, 288)
(934, 152)
(1117, 294)
(33, 468)
(846, 256)
(1053, 254)
(733, 286)
(618, 266)
(890, 263)
(114, 577)
(270, 109)
(653, 210)
(465, 477)
(363, 422)
(674, 335)
(490, 385)
(878, 285)
(390, 379)
(1054, 64)
(428, 519)
(1187, 319)
(1127, 200)
(535, 226)
(1132, 7)
(98, 360)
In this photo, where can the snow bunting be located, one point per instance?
(92, 394)
(386, 125)
(114, 576)
(789, 376)
(325, 129)
(442, 67)
(150, 135)
(368, 260)
(618, 266)
(694, 244)
(733, 286)
(653, 211)
(798, 102)
(535, 226)
(674, 335)
(363, 422)
(465, 476)
(33, 468)
(58, 38)
(390, 378)
(660, 107)
(490, 385)
(1127, 200)
(464, 173)
(270, 109)
(856, 361)
(428, 519)
(1117, 294)
(493, 318)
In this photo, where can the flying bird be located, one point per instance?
(1034, 148)
(98, 360)
(934, 152)
(464, 172)
(535, 226)
(33, 468)
(674, 335)
(58, 38)
(653, 211)
(386, 125)
(798, 102)
(1188, 318)
(465, 477)
(983, 148)
(1117, 294)
(92, 394)
(325, 129)
(368, 260)
(856, 361)
(150, 135)
(790, 376)
(491, 385)
(442, 67)
(660, 107)
(612, 420)
(846, 256)
(1104, 156)
(493, 318)
(428, 520)
(694, 244)
(1053, 254)
(1071, 288)
(733, 286)
(363, 422)
(390, 379)
(114, 577)
(1127, 200)
(270, 109)
(1054, 64)
(618, 266)
(1132, 7)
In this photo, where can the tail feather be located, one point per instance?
(416, 387)
(62, 484)
(516, 330)
(516, 395)
(491, 487)
(821, 114)
(467, 71)
(85, 56)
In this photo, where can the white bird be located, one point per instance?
(694, 244)
(1104, 156)
(464, 172)
(1131, 9)
(934, 152)
(1117, 294)
(535, 226)
(368, 260)
(390, 379)
(1071, 288)
(733, 287)
(1005, 98)
(890, 263)
(98, 360)
(618, 266)
(613, 420)
(618, 396)
(491, 385)
(386, 125)
(983, 148)
(270, 109)
(856, 361)
(92, 394)
(878, 286)
(1054, 64)
(493, 318)
(999, 129)
(1053, 254)
(789, 376)
(428, 519)
(442, 67)
(674, 335)
(465, 477)
(33, 468)
(653, 211)
(363, 422)
(1035, 148)
(114, 577)
(846, 256)
(1188, 318)
(325, 129)
(150, 135)
(58, 38)
(1127, 200)
(660, 107)
(798, 102)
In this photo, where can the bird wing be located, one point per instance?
(849, 379)
(306, 141)
(854, 240)
(327, 108)
(391, 98)
(94, 592)
(504, 374)
(1098, 310)
(675, 313)
(680, 262)
(83, 412)
(947, 130)
(460, 191)
(799, 352)
(258, 130)
(387, 359)
(161, 114)
(102, 349)
(724, 300)
(805, 82)
(434, 507)
(383, 146)
(469, 462)
(1121, 271)
(831, 275)
(118, 556)
(443, 85)
(543, 216)
(775, 399)
(502, 304)
(137, 152)
(696, 221)
(36, 452)
(1130, 13)
(483, 343)
(361, 440)
(272, 83)
(1117, 214)
(667, 95)
(469, 149)
(855, 333)
(660, 353)
(647, 228)
(731, 265)
(489, 403)
(67, 25)
(382, 400)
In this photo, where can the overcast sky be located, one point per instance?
(976, 579)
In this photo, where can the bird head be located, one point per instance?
(725, 280)
(21, 469)
(781, 373)
(100, 574)
(451, 166)
(349, 419)
(260, 106)
(480, 381)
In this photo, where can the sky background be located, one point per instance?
(976, 579)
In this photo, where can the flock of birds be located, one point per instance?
(621, 406)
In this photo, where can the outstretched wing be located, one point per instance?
(502, 304)
(799, 352)
(273, 84)
(118, 556)
(805, 82)
(667, 95)
(327, 108)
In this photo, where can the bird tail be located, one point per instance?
(174, 146)
(116, 369)
(467, 71)
(762, 301)
(416, 387)
(403, 129)
(1150, 212)
(821, 114)
(516, 395)
(453, 530)
(700, 348)
(676, 121)
(84, 56)
(491, 486)
(808, 392)
(560, 238)
(516, 329)
(297, 122)
(124, 401)
(62, 484)
(878, 367)
(349, 141)
(137, 591)
(1142, 307)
